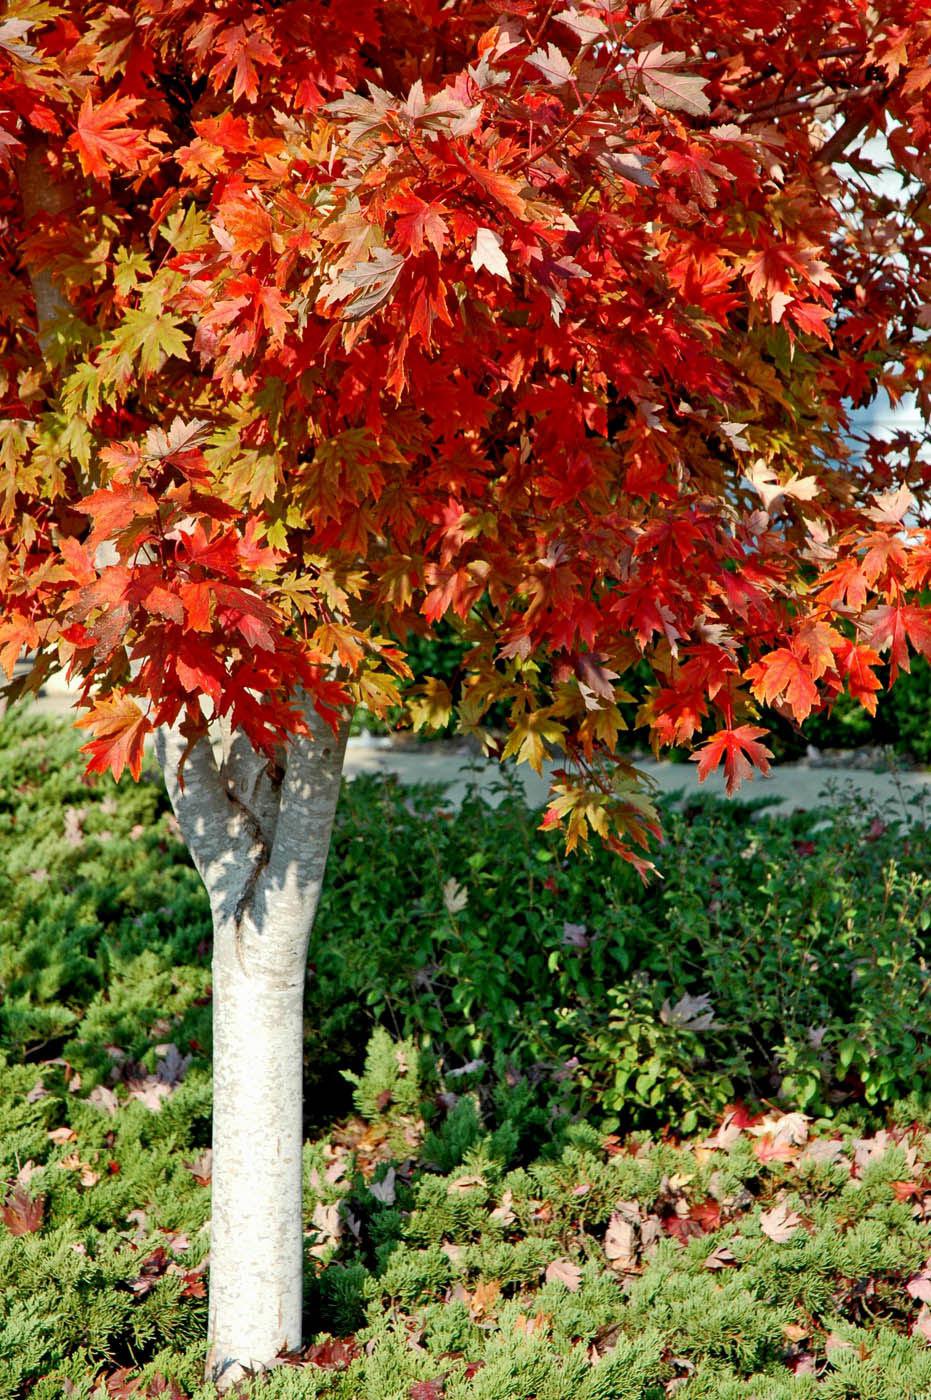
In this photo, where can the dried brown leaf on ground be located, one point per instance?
(565, 1272)
(21, 1213)
(622, 1237)
(780, 1223)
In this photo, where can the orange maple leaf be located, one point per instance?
(16, 634)
(818, 640)
(740, 752)
(101, 135)
(119, 727)
(114, 508)
(855, 665)
(784, 674)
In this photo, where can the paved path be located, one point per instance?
(905, 795)
(791, 785)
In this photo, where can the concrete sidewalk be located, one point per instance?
(906, 796)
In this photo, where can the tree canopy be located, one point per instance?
(334, 320)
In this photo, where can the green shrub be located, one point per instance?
(472, 935)
(808, 936)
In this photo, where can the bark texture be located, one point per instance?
(259, 835)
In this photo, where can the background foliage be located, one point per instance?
(902, 720)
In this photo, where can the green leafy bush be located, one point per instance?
(777, 959)
(808, 936)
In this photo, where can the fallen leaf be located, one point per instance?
(484, 1298)
(172, 1064)
(149, 1090)
(466, 1183)
(153, 1267)
(791, 1128)
(332, 1353)
(622, 1237)
(780, 1223)
(920, 1285)
(140, 1219)
(538, 1324)
(728, 1133)
(504, 1213)
(428, 1390)
(923, 1322)
(720, 1258)
(689, 1013)
(201, 1168)
(384, 1190)
(104, 1097)
(328, 1226)
(22, 1214)
(565, 1272)
(455, 897)
(822, 1152)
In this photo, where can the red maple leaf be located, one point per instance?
(428, 1390)
(332, 1353)
(739, 750)
(418, 222)
(855, 665)
(893, 626)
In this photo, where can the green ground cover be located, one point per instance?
(536, 1186)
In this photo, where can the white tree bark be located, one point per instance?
(259, 835)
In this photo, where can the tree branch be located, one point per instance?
(227, 849)
(848, 131)
(253, 780)
(293, 875)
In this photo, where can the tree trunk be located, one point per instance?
(259, 834)
(256, 1250)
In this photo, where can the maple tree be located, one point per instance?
(320, 324)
